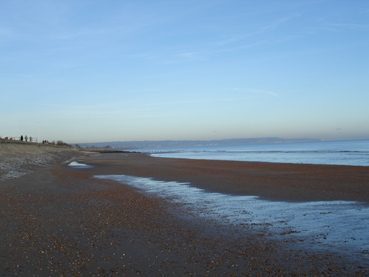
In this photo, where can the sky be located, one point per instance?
(90, 71)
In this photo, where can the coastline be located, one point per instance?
(62, 220)
(272, 181)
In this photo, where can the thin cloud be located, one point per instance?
(251, 39)
(186, 55)
(264, 92)
(345, 26)
(79, 34)
(230, 44)
(323, 24)
(253, 91)
(260, 30)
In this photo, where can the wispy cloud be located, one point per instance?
(264, 92)
(236, 39)
(186, 55)
(232, 43)
(325, 24)
(250, 39)
(253, 91)
(180, 57)
(119, 29)
(86, 32)
(240, 46)
(347, 26)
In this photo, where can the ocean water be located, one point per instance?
(353, 152)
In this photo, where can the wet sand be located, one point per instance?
(59, 220)
(288, 182)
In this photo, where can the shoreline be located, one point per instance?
(158, 155)
(239, 161)
(271, 181)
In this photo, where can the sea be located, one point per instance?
(333, 152)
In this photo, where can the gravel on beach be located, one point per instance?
(61, 221)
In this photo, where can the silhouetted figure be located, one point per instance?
(21, 138)
(26, 138)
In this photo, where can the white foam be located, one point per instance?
(75, 164)
(338, 225)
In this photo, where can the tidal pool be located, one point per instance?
(339, 226)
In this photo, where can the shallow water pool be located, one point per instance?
(335, 225)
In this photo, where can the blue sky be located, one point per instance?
(85, 71)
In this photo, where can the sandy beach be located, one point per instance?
(59, 220)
